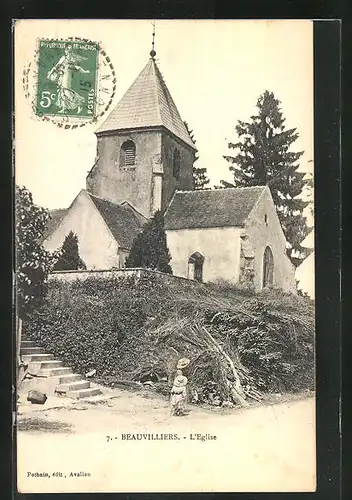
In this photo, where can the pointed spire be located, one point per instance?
(152, 52)
(147, 103)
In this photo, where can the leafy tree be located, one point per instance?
(149, 249)
(262, 157)
(69, 259)
(200, 177)
(32, 262)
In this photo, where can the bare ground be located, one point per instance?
(264, 448)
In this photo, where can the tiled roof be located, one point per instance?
(213, 208)
(122, 220)
(56, 216)
(147, 103)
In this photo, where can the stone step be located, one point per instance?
(83, 393)
(54, 372)
(72, 386)
(70, 377)
(42, 365)
(31, 350)
(36, 358)
(28, 343)
(60, 378)
(51, 363)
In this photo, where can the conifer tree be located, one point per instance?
(149, 249)
(200, 177)
(224, 185)
(69, 259)
(263, 156)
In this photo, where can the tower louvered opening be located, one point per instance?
(128, 154)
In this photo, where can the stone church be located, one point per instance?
(144, 163)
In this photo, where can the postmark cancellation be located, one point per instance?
(70, 82)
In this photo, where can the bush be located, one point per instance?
(149, 249)
(137, 328)
(86, 323)
(69, 259)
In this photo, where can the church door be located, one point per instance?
(268, 267)
(195, 266)
(191, 270)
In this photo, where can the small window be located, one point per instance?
(176, 164)
(266, 219)
(128, 154)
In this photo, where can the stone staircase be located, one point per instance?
(51, 377)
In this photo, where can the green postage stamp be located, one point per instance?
(67, 78)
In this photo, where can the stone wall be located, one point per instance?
(185, 181)
(139, 272)
(134, 183)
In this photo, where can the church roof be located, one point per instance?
(56, 216)
(147, 103)
(122, 220)
(211, 208)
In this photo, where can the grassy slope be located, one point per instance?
(136, 330)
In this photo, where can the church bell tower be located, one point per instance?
(144, 151)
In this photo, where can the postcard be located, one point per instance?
(164, 256)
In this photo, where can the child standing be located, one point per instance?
(178, 394)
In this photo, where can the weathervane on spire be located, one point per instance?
(152, 52)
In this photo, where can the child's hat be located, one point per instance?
(182, 363)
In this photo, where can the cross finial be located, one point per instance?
(152, 52)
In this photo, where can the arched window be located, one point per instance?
(127, 154)
(195, 266)
(176, 164)
(268, 267)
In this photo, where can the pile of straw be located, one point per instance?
(239, 346)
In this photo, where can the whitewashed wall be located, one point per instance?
(220, 248)
(97, 247)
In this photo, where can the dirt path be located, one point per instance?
(268, 448)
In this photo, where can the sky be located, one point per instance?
(215, 71)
